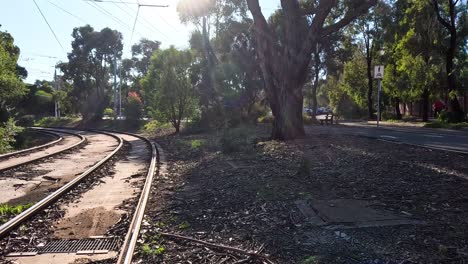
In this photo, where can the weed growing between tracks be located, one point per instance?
(246, 199)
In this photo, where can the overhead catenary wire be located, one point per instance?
(68, 12)
(134, 24)
(47, 22)
(149, 23)
(149, 27)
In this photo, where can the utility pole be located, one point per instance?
(120, 91)
(56, 103)
(379, 74)
(115, 83)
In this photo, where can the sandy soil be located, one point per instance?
(96, 211)
(33, 182)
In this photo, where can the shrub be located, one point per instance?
(153, 127)
(26, 121)
(57, 122)
(235, 139)
(196, 144)
(109, 112)
(387, 116)
(8, 131)
(133, 110)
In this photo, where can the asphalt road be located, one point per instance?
(444, 139)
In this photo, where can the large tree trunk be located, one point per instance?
(425, 105)
(287, 110)
(285, 62)
(397, 109)
(450, 25)
(316, 81)
(370, 81)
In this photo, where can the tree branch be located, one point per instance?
(348, 18)
(439, 17)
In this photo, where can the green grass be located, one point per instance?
(8, 210)
(446, 125)
(57, 122)
(147, 250)
(196, 143)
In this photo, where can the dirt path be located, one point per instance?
(32, 183)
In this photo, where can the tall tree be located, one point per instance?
(169, 79)
(285, 65)
(11, 75)
(89, 64)
(449, 14)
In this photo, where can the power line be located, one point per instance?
(61, 8)
(139, 21)
(55, 36)
(133, 3)
(134, 24)
(110, 15)
(150, 24)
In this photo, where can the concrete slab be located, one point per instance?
(350, 213)
(308, 212)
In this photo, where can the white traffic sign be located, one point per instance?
(379, 72)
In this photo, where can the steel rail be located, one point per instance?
(82, 141)
(129, 244)
(50, 143)
(37, 207)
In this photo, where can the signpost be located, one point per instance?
(378, 75)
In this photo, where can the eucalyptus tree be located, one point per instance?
(89, 67)
(452, 15)
(285, 61)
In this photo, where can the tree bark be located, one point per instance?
(425, 105)
(285, 63)
(288, 123)
(397, 109)
(370, 80)
(316, 81)
(454, 105)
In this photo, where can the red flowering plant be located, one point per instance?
(133, 110)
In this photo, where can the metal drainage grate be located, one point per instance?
(87, 246)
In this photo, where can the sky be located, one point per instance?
(40, 51)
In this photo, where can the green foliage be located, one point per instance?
(26, 121)
(169, 81)
(11, 84)
(57, 122)
(89, 67)
(184, 225)
(311, 260)
(8, 131)
(439, 124)
(7, 210)
(196, 143)
(154, 126)
(109, 112)
(236, 139)
(149, 251)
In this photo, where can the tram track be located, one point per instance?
(127, 242)
(28, 156)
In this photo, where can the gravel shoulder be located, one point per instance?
(248, 200)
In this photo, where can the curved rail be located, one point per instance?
(82, 141)
(128, 247)
(60, 138)
(37, 207)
